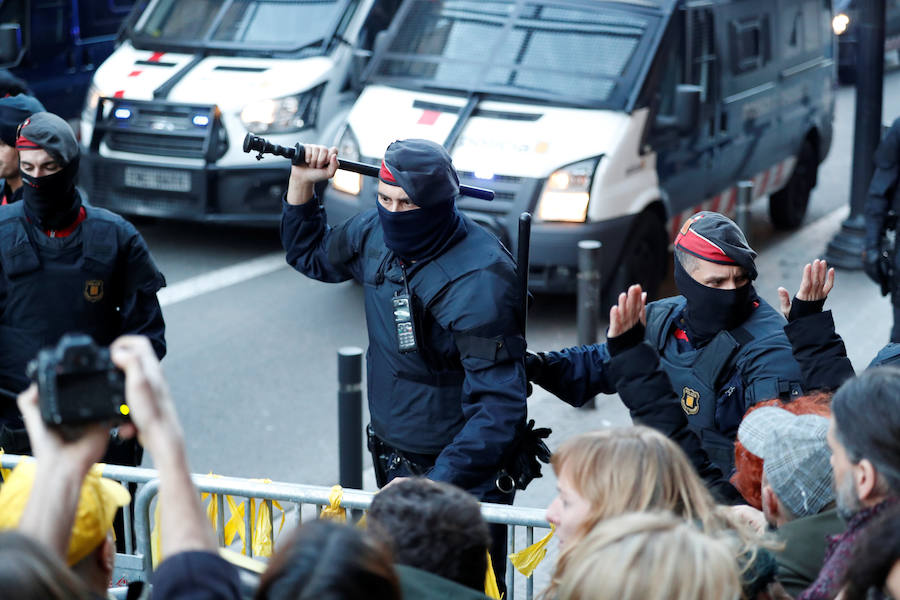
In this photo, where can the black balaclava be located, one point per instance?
(425, 172)
(713, 237)
(52, 199)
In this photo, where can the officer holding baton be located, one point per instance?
(446, 375)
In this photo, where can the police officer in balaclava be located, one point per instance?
(446, 378)
(721, 345)
(66, 267)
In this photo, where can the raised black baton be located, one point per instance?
(254, 143)
(523, 248)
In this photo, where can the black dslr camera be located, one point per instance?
(78, 383)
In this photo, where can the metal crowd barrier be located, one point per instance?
(136, 564)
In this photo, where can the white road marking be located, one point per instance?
(221, 278)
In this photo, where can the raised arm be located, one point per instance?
(816, 345)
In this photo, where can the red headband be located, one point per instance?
(23, 143)
(692, 242)
(385, 175)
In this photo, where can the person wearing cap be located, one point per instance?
(66, 266)
(722, 347)
(92, 550)
(796, 489)
(446, 384)
(13, 110)
(10, 85)
(190, 566)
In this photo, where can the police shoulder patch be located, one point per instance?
(93, 290)
(690, 401)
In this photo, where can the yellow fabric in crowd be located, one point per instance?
(526, 560)
(490, 581)
(334, 512)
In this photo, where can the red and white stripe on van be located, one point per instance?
(766, 182)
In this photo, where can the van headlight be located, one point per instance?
(839, 23)
(567, 192)
(283, 115)
(90, 103)
(348, 181)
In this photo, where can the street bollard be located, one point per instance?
(350, 417)
(744, 200)
(588, 314)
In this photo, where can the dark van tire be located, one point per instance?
(787, 207)
(644, 259)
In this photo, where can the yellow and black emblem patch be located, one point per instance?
(690, 400)
(93, 290)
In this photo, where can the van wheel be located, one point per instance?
(644, 259)
(787, 207)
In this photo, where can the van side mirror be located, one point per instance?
(379, 47)
(381, 42)
(686, 110)
(358, 62)
(10, 44)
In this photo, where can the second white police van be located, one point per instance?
(167, 112)
(608, 120)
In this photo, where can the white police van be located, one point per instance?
(609, 120)
(167, 111)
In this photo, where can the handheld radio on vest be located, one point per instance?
(406, 333)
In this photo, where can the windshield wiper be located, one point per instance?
(317, 42)
(443, 89)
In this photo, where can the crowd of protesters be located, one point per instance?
(759, 465)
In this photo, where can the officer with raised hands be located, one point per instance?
(721, 345)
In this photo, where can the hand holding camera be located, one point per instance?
(78, 383)
(81, 391)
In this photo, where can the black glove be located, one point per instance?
(804, 308)
(523, 465)
(534, 364)
(626, 340)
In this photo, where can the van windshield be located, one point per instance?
(256, 25)
(567, 52)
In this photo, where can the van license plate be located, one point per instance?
(158, 179)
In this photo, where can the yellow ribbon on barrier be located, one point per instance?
(235, 524)
(4, 473)
(334, 512)
(262, 524)
(490, 581)
(526, 560)
(212, 509)
(155, 538)
(260, 521)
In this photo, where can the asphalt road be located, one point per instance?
(252, 344)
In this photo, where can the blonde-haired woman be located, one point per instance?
(604, 474)
(650, 556)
